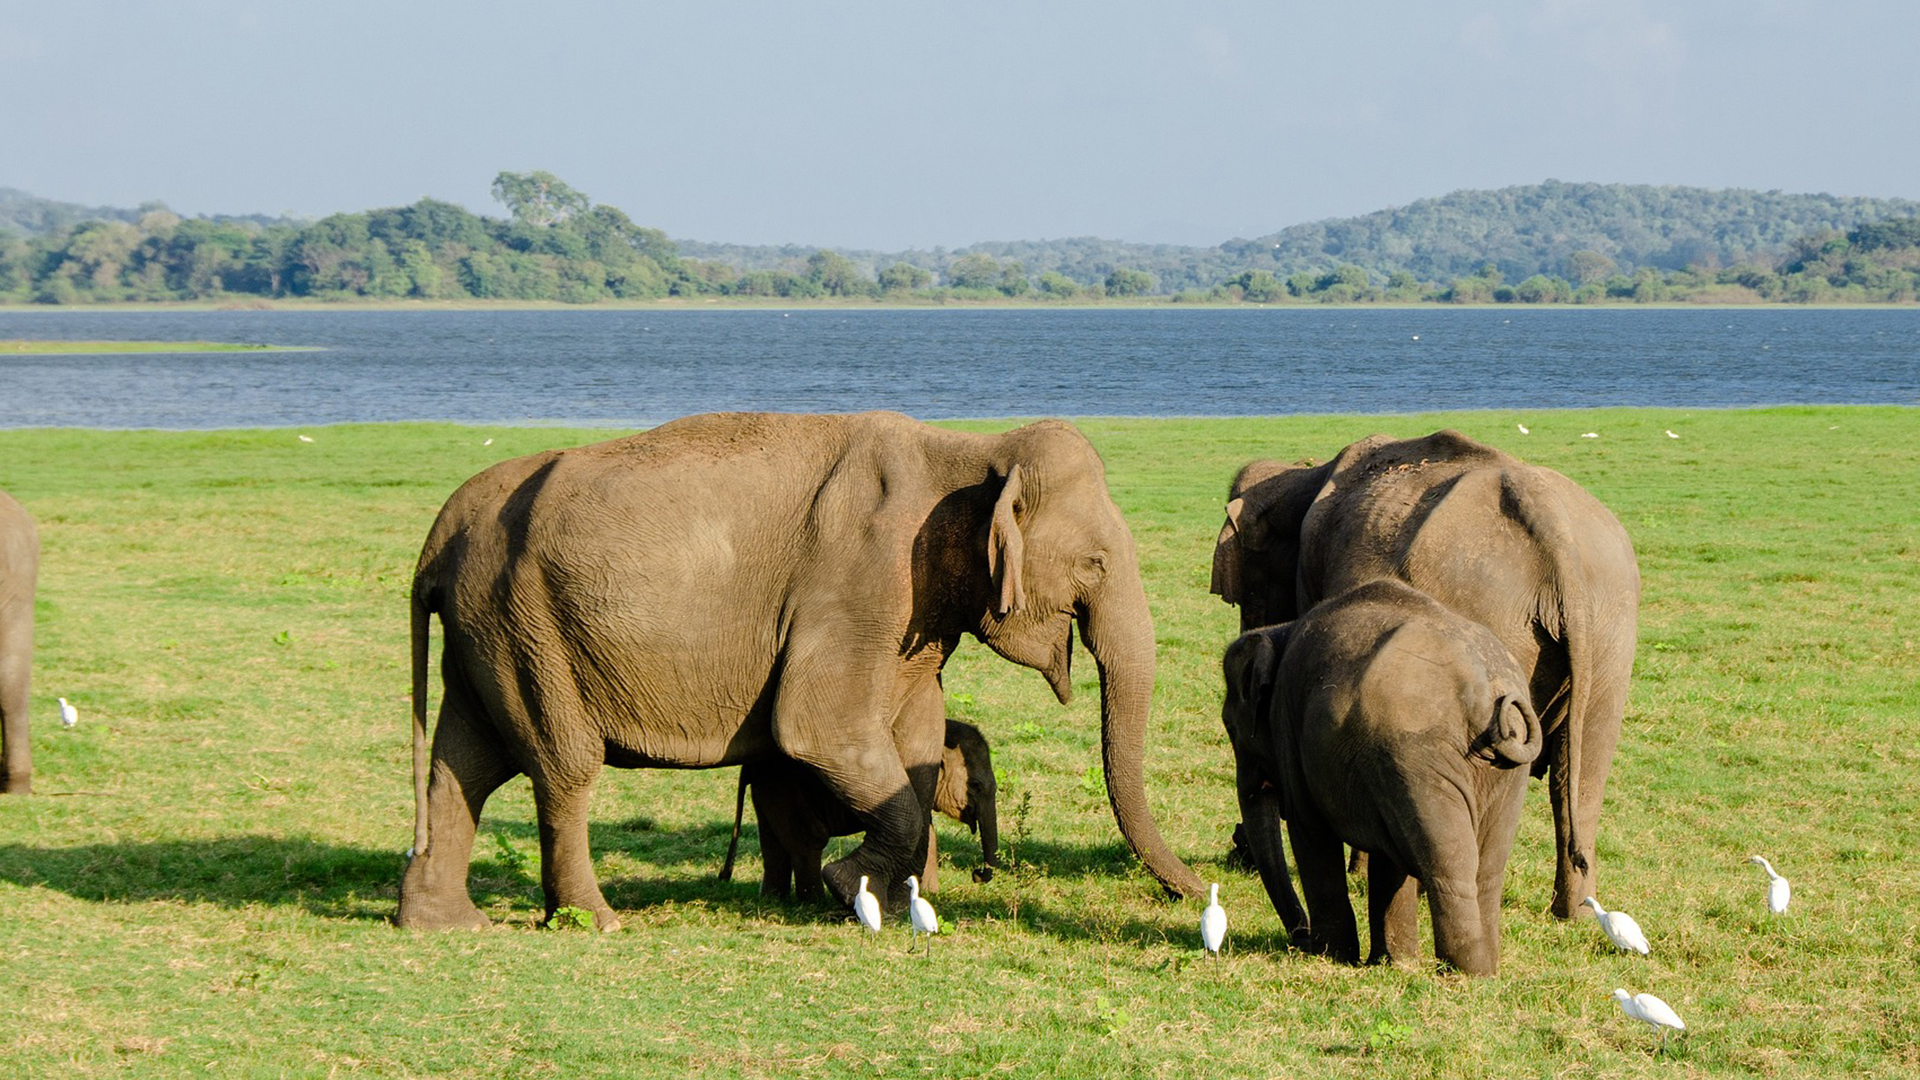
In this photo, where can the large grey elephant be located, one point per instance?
(798, 815)
(1517, 548)
(1383, 720)
(734, 587)
(19, 565)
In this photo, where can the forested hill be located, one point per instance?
(30, 215)
(1528, 230)
(1545, 243)
(1535, 229)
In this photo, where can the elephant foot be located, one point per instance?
(983, 874)
(842, 879)
(419, 915)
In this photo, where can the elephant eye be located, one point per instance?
(1094, 565)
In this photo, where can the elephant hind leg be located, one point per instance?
(468, 765)
(1393, 900)
(1459, 936)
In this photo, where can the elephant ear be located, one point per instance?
(1006, 547)
(1227, 555)
(1252, 665)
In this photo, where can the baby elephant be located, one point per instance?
(797, 815)
(1383, 720)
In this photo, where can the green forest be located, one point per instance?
(1541, 244)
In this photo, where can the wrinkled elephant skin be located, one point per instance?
(19, 565)
(1382, 720)
(735, 587)
(1517, 548)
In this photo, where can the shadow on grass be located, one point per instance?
(678, 866)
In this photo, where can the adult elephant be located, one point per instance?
(1383, 720)
(1517, 548)
(733, 587)
(19, 564)
(798, 815)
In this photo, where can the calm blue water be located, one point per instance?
(637, 368)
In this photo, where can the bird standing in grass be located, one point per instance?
(1619, 928)
(1778, 890)
(1650, 1010)
(1213, 922)
(866, 907)
(69, 715)
(920, 916)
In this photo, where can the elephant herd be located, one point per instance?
(1425, 624)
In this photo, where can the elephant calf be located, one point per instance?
(19, 564)
(1383, 720)
(798, 815)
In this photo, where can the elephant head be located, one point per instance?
(1058, 553)
(967, 790)
(1257, 555)
(1251, 665)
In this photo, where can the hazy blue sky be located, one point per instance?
(895, 124)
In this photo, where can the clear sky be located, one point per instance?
(896, 124)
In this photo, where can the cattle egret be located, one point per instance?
(1213, 922)
(1650, 1010)
(1590, 435)
(866, 907)
(1620, 928)
(489, 442)
(1778, 891)
(69, 715)
(920, 915)
(1416, 337)
(1523, 429)
(1671, 435)
(304, 438)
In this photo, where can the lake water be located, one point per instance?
(631, 368)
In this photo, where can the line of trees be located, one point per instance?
(557, 244)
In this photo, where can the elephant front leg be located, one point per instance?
(885, 773)
(467, 766)
(566, 860)
(1322, 865)
(1393, 900)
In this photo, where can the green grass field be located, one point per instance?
(201, 883)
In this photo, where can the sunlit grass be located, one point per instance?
(200, 884)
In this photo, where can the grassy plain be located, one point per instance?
(201, 882)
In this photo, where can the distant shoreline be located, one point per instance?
(869, 304)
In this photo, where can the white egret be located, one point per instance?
(920, 916)
(1523, 429)
(1213, 922)
(1778, 890)
(1416, 337)
(866, 907)
(1619, 927)
(69, 715)
(1590, 435)
(1650, 1010)
(305, 438)
(1671, 435)
(488, 442)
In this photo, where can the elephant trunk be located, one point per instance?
(988, 823)
(1118, 631)
(1260, 818)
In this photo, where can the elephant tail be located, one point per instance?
(422, 612)
(1532, 502)
(739, 812)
